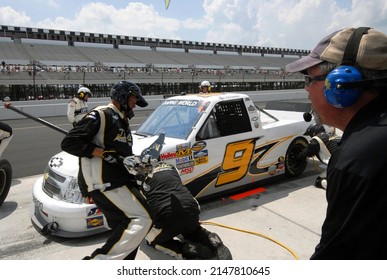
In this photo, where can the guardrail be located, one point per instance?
(58, 107)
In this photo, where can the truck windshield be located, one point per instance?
(173, 117)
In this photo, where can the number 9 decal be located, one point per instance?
(236, 161)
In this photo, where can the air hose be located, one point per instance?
(253, 233)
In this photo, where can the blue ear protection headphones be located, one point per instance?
(343, 84)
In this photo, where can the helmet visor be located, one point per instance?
(141, 102)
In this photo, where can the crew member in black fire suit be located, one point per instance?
(6, 135)
(99, 140)
(175, 212)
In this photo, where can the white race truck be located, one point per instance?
(220, 143)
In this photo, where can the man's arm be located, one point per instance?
(71, 111)
(79, 140)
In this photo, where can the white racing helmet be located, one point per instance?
(82, 91)
(205, 84)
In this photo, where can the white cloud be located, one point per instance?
(289, 23)
(11, 17)
(271, 23)
(53, 4)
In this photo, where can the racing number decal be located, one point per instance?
(236, 161)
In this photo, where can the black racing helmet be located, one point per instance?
(121, 91)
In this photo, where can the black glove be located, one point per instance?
(132, 163)
(110, 156)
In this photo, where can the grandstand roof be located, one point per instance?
(33, 47)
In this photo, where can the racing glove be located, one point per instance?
(132, 163)
(110, 156)
(141, 168)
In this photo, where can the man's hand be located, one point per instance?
(110, 156)
(132, 163)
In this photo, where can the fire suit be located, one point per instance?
(5, 136)
(76, 110)
(176, 212)
(109, 184)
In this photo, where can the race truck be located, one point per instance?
(220, 143)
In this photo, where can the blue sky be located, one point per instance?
(298, 24)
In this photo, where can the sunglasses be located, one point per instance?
(309, 79)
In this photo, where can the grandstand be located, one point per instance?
(51, 63)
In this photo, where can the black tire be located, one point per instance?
(294, 165)
(5, 179)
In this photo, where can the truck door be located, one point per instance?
(229, 145)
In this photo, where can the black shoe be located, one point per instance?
(214, 240)
(223, 253)
(197, 251)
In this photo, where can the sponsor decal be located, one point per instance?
(187, 170)
(94, 211)
(189, 103)
(184, 159)
(183, 152)
(184, 165)
(94, 222)
(251, 108)
(56, 162)
(203, 153)
(122, 137)
(198, 146)
(201, 160)
(222, 97)
(168, 155)
(182, 146)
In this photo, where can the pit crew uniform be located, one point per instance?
(176, 212)
(109, 184)
(76, 110)
(5, 136)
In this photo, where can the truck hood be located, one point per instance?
(66, 164)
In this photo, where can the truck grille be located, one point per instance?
(51, 184)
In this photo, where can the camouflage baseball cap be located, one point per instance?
(372, 52)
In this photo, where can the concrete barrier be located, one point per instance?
(58, 107)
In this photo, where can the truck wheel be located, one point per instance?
(294, 165)
(5, 179)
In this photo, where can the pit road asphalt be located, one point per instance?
(281, 222)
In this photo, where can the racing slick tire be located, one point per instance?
(295, 165)
(5, 179)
